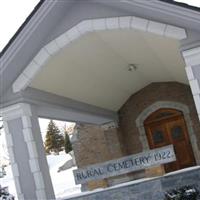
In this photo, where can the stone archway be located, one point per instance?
(167, 104)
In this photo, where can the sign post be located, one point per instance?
(125, 165)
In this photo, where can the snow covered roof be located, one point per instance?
(184, 5)
(21, 27)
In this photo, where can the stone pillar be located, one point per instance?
(89, 146)
(94, 144)
(111, 134)
(192, 60)
(27, 156)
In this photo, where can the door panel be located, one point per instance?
(179, 138)
(157, 135)
(182, 155)
(171, 130)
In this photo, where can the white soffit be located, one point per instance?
(84, 27)
(94, 68)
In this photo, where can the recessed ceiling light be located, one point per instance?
(132, 67)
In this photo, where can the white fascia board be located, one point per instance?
(32, 150)
(139, 23)
(197, 102)
(62, 41)
(21, 83)
(41, 194)
(73, 33)
(38, 180)
(28, 134)
(9, 140)
(156, 27)
(112, 23)
(16, 111)
(127, 22)
(192, 56)
(189, 73)
(27, 32)
(192, 51)
(175, 32)
(99, 24)
(26, 121)
(34, 165)
(15, 169)
(85, 26)
(52, 47)
(194, 84)
(31, 70)
(11, 155)
(41, 57)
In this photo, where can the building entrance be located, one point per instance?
(167, 126)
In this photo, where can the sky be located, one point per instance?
(191, 2)
(43, 129)
(14, 12)
(60, 124)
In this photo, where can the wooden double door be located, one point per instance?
(167, 126)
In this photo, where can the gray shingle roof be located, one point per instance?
(182, 5)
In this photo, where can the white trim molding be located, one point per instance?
(192, 56)
(109, 125)
(26, 33)
(167, 104)
(10, 113)
(93, 25)
(13, 162)
(23, 112)
(15, 111)
(192, 60)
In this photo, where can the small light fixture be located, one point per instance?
(132, 67)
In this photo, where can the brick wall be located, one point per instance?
(91, 145)
(170, 91)
(96, 144)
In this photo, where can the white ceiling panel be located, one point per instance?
(94, 68)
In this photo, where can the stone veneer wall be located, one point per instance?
(169, 91)
(145, 190)
(94, 144)
(90, 146)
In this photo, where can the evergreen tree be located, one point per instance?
(68, 145)
(54, 141)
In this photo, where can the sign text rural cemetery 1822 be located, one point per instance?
(125, 165)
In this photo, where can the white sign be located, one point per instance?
(125, 165)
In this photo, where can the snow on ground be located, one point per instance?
(63, 182)
(8, 181)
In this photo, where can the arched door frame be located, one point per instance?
(167, 104)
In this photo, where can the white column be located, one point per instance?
(192, 60)
(25, 147)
